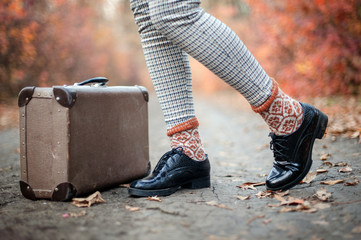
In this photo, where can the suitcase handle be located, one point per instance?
(101, 80)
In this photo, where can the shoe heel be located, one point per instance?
(203, 182)
(321, 125)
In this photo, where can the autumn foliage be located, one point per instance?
(45, 43)
(311, 46)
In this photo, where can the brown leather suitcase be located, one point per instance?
(78, 139)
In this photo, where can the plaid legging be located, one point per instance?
(171, 29)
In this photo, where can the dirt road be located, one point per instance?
(237, 143)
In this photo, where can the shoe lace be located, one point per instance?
(278, 146)
(163, 160)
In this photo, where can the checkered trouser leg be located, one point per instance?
(168, 28)
(168, 67)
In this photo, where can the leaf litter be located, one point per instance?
(154, 198)
(251, 185)
(215, 204)
(87, 202)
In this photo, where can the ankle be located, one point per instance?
(190, 141)
(283, 114)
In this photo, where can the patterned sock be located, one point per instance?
(283, 114)
(186, 135)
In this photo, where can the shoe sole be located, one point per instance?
(320, 130)
(204, 182)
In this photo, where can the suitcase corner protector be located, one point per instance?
(63, 192)
(25, 96)
(27, 190)
(144, 92)
(66, 97)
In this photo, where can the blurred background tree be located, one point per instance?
(312, 47)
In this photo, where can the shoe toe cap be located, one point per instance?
(277, 178)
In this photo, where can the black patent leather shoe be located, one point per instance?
(173, 171)
(293, 153)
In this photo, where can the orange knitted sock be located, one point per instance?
(283, 114)
(186, 135)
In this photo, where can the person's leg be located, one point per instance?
(217, 47)
(294, 126)
(186, 165)
(170, 73)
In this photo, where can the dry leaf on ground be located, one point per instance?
(279, 198)
(354, 183)
(154, 198)
(254, 218)
(341, 164)
(79, 214)
(215, 204)
(323, 195)
(244, 198)
(267, 221)
(263, 194)
(282, 194)
(303, 206)
(327, 163)
(332, 182)
(251, 185)
(131, 209)
(292, 201)
(325, 156)
(345, 170)
(356, 229)
(321, 205)
(318, 171)
(87, 202)
(309, 177)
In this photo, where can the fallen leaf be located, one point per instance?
(355, 182)
(288, 209)
(87, 202)
(254, 218)
(244, 198)
(79, 214)
(154, 198)
(292, 201)
(262, 175)
(341, 164)
(355, 134)
(327, 163)
(251, 185)
(263, 194)
(279, 198)
(356, 229)
(131, 209)
(282, 194)
(325, 156)
(322, 223)
(215, 204)
(303, 206)
(318, 171)
(309, 177)
(267, 221)
(322, 205)
(332, 182)
(322, 195)
(345, 170)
